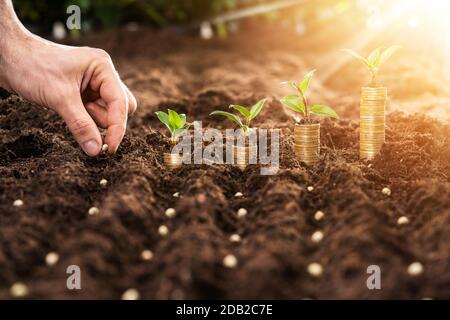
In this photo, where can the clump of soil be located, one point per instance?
(41, 164)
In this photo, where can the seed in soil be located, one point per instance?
(403, 220)
(19, 290)
(230, 261)
(51, 258)
(163, 230)
(319, 215)
(310, 188)
(103, 182)
(238, 195)
(105, 148)
(235, 238)
(93, 211)
(242, 212)
(415, 269)
(386, 191)
(146, 255)
(131, 294)
(170, 213)
(317, 236)
(176, 195)
(18, 203)
(315, 269)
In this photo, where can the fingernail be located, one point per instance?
(92, 148)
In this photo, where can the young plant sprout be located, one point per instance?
(299, 102)
(248, 113)
(175, 122)
(374, 61)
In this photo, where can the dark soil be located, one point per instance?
(41, 164)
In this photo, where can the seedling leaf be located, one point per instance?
(387, 54)
(324, 111)
(164, 118)
(374, 58)
(230, 116)
(304, 84)
(294, 103)
(183, 120)
(175, 119)
(357, 56)
(243, 110)
(256, 109)
(291, 83)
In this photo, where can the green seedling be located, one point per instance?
(299, 102)
(374, 61)
(248, 113)
(176, 123)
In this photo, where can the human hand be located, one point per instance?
(80, 84)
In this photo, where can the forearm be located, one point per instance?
(12, 35)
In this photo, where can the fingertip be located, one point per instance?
(92, 148)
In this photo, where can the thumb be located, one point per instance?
(82, 126)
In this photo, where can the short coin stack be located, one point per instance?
(372, 121)
(172, 160)
(242, 155)
(307, 142)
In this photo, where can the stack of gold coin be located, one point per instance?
(172, 160)
(242, 155)
(372, 121)
(307, 142)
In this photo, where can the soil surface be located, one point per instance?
(41, 164)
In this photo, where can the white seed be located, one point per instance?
(18, 203)
(403, 220)
(315, 269)
(51, 258)
(386, 191)
(103, 182)
(310, 188)
(415, 269)
(131, 294)
(235, 238)
(146, 255)
(105, 147)
(176, 195)
(238, 194)
(242, 212)
(170, 213)
(319, 215)
(19, 290)
(163, 230)
(93, 211)
(230, 261)
(317, 236)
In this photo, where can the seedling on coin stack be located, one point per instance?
(176, 123)
(307, 131)
(373, 104)
(242, 153)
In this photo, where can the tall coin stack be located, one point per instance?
(307, 142)
(372, 121)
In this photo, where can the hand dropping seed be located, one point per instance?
(170, 213)
(18, 203)
(146, 255)
(51, 258)
(163, 230)
(19, 290)
(242, 212)
(130, 294)
(230, 261)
